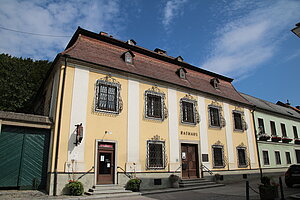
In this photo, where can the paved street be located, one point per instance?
(235, 191)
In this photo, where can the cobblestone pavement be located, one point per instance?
(234, 191)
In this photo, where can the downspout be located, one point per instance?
(255, 132)
(59, 126)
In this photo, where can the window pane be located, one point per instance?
(214, 116)
(283, 130)
(298, 156)
(218, 157)
(261, 125)
(277, 157)
(188, 112)
(237, 121)
(273, 128)
(288, 158)
(154, 107)
(266, 157)
(295, 132)
(107, 98)
(156, 159)
(242, 157)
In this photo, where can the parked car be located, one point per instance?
(292, 175)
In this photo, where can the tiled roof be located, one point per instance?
(268, 106)
(107, 51)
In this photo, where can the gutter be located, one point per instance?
(59, 126)
(258, 156)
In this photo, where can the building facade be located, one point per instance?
(277, 130)
(121, 109)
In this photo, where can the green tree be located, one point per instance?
(20, 79)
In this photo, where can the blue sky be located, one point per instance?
(249, 41)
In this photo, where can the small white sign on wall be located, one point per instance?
(183, 155)
(101, 158)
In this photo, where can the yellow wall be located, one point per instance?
(150, 127)
(97, 123)
(194, 129)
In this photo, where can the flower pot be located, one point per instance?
(174, 180)
(268, 192)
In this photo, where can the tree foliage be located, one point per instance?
(20, 79)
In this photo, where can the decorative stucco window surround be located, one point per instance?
(242, 163)
(184, 102)
(218, 160)
(244, 126)
(156, 153)
(107, 96)
(155, 110)
(214, 109)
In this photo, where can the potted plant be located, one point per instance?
(218, 178)
(267, 191)
(133, 184)
(75, 188)
(174, 179)
(275, 138)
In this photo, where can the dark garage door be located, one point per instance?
(23, 157)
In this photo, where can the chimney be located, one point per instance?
(103, 33)
(160, 51)
(287, 102)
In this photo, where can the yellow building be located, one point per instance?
(121, 109)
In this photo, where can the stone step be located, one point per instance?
(112, 195)
(196, 184)
(107, 189)
(195, 181)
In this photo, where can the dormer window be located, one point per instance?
(181, 73)
(128, 57)
(215, 83)
(179, 58)
(131, 42)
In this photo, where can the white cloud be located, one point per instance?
(52, 18)
(252, 38)
(171, 10)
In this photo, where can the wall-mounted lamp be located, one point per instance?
(79, 134)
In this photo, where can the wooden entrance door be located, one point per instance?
(105, 163)
(189, 159)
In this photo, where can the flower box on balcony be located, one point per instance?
(297, 140)
(275, 138)
(286, 139)
(263, 137)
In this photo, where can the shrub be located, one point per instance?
(133, 184)
(75, 188)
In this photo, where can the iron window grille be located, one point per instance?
(156, 154)
(218, 156)
(188, 110)
(266, 157)
(216, 120)
(277, 158)
(155, 107)
(107, 96)
(242, 157)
